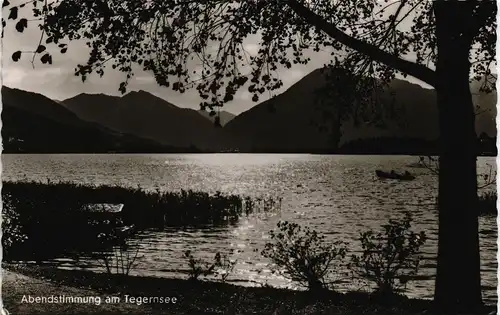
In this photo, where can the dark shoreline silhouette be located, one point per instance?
(374, 146)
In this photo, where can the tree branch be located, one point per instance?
(418, 71)
(484, 11)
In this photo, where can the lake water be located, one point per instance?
(337, 195)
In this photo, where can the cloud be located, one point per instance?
(13, 76)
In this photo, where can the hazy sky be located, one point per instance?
(57, 81)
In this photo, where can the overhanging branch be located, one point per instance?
(484, 11)
(418, 71)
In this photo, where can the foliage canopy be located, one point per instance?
(207, 44)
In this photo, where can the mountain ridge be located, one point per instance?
(33, 123)
(224, 116)
(289, 122)
(148, 116)
(286, 117)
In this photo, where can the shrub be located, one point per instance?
(120, 260)
(303, 255)
(222, 266)
(12, 233)
(116, 254)
(390, 258)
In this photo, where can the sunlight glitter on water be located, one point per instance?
(336, 195)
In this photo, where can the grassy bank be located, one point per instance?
(198, 297)
(49, 220)
(15, 286)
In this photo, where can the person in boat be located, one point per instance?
(407, 173)
(392, 172)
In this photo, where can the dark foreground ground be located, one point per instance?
(191, 297)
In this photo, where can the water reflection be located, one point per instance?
(336, 195)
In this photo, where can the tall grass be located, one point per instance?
(50, 217)
(487, 203)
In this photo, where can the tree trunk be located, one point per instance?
(458, 280)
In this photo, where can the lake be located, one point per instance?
(338, 196)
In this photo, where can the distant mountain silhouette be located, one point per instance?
(33, 123)
(145, 115)
(283, 123)
(224, 116)
(289, 122)
(391, 146)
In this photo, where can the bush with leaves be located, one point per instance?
(224, 266)
(12, 233)
(391, 257)
(221, 266)
(116, 254)
(303, 255)
(120, 260)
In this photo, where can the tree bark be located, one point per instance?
(458, 280)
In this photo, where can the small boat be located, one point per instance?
(394, 175)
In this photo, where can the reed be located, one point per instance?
(487, 203)
(49, 214)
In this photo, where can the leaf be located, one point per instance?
(5, 3)
(45, 58)
(16, 56)
(49, 40)
(40, 49)
(123, 88)
(63, 50)
(21, 25)
(13, 13)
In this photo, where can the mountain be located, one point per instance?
(224, 116)
(33, 123)
(281, 124)
(147, 116)
(38, 104)
(291, 121)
